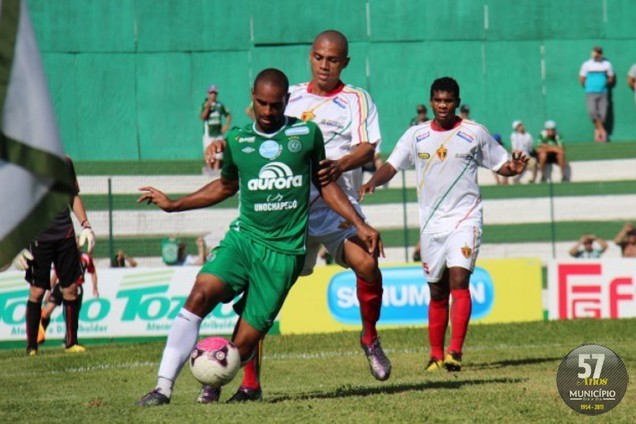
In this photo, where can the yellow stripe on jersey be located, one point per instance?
(456, 130)
(363, 112)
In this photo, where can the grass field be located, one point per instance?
(509, 376)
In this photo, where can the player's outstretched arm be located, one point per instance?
(208, 195)
(514, 166)
(381, 177)
(331, 170)
(335, 198)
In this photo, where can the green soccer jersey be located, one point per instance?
(275, 175)
(217, 111)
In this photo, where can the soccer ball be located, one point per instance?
(215, 361)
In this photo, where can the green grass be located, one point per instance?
(575, 152)
(509, 375)
(94, 202)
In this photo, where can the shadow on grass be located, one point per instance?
(350, 391)
(513, 363)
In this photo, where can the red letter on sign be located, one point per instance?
(615, 296)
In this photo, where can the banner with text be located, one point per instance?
(133, 302)
(502, 291)
(583, 288)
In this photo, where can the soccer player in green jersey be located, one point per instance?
(271, 161)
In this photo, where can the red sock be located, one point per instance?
(460, 316)
(252, 370)
(370, 298)
(437, 324)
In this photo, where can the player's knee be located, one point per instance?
(367, 269)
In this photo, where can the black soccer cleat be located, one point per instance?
(154, 398)
(245, 394)
(453, 361)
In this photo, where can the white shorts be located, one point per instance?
(334, 243)
(457, 248)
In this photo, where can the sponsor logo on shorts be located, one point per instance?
(297, 130)
(406, 296)
(467, 251)
(248, 150)
(275, 176)
(469, 138)
(442, 152)
(270, 149)
(423, 155)
(422, 136)
(294, 146)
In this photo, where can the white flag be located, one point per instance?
(35, 181)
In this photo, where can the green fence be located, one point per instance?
(128, 76)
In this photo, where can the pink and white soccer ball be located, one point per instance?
(215, 361)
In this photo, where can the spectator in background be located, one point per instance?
(626, 240)
(500, 179)
(550, 150)
(522, 141)
(184, 259)
(464, 112)
(596, 76)
(631, 78)
(212, 113)
(121, 259)
(585, 247)
(421, 116)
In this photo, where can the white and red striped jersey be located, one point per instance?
(446, 163)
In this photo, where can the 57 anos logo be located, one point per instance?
(592, 379)
(275, 176)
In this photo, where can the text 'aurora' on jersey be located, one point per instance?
(275, 176)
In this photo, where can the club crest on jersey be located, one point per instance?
(275, 175)
(294, 146)
(423, 155)
(466, 251)
(270, 149)
(442, 152)
(422, 136)
(248, 149)
(307, 116)
(469, 138)
(297, 130)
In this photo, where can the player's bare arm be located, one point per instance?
(381, 177)
(331, 170)
(335, 198)
(214, 148)
(514, 166)
(208, 195)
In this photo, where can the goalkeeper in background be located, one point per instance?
(56, 245)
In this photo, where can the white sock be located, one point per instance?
(182, 339)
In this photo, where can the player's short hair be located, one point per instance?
(335, 37)
(272, 76)
(445, 84)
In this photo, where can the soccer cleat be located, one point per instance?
(453, 361)
(41, 334)
(434, 365)
(76, 348)
(154, 398)
(31, 352)
(245, 394)
(379, 364)
(208, 394)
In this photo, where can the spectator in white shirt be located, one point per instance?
(522, 141)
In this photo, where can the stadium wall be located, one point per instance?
(128, 77)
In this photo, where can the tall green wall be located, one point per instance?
(128, 76)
